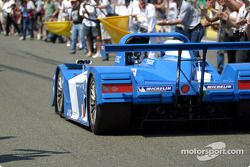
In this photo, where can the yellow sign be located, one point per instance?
(59, 28)
(117, 27)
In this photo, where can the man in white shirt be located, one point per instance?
(146, 19)
(188, 21)
(66, 9)
(91, 26)
(1, 16)
(104, 9)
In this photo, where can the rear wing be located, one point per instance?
(180, 47)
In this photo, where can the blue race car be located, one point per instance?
(174, 86)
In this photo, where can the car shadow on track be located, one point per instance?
(7, 137)
(194, 129)
(201, 128)
(27, 154)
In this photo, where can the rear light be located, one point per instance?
(244, 84)
(185, 88)
(116, 88)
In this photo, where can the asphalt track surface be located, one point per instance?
(32, 135)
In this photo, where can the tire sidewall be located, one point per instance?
(95, 125)
(60, 112)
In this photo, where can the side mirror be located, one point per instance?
(83, 62)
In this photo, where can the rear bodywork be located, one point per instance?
(171, 87)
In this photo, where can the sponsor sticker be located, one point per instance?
(218, 87)
(118, 59)
(154, 88)
(150, 62)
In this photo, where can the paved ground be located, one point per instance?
(31, 135)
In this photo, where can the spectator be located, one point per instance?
(51, 12)
(28, 18)
(146, 19)
(132, 10)
(172, 13)
(77, 27)
(32, 14)
(66, 14)
(2, 21)
(211, 16)
(66, 10)
(60, 16)
(121, 7)
(190, 21)
(39, 18)
(24, 19)
(227, 31)
(161, 8)
(232, 5)
(9, 13)
(91, 26)
(212, 20)
(241, 24)
(105, 9)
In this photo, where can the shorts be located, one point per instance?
(92, 31)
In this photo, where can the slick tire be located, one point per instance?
(109, 117)
(59, 97)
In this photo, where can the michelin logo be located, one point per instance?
(154, 88)
(218, 87)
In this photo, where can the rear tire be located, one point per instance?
(59, 106)
(92, 107)
(107, 117)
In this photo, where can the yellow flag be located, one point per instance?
(59, 28)
(117, 27)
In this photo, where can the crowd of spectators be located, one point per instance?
(229, 18)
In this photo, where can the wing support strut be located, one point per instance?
(179, 71)
(203, 66)
(177, 92)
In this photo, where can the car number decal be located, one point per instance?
(134, 70)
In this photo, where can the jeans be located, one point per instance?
(231, 54)
(77, 30)
(181, 31)
(28, 24)
(10, 20)
(242, 56)
(195, 35)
